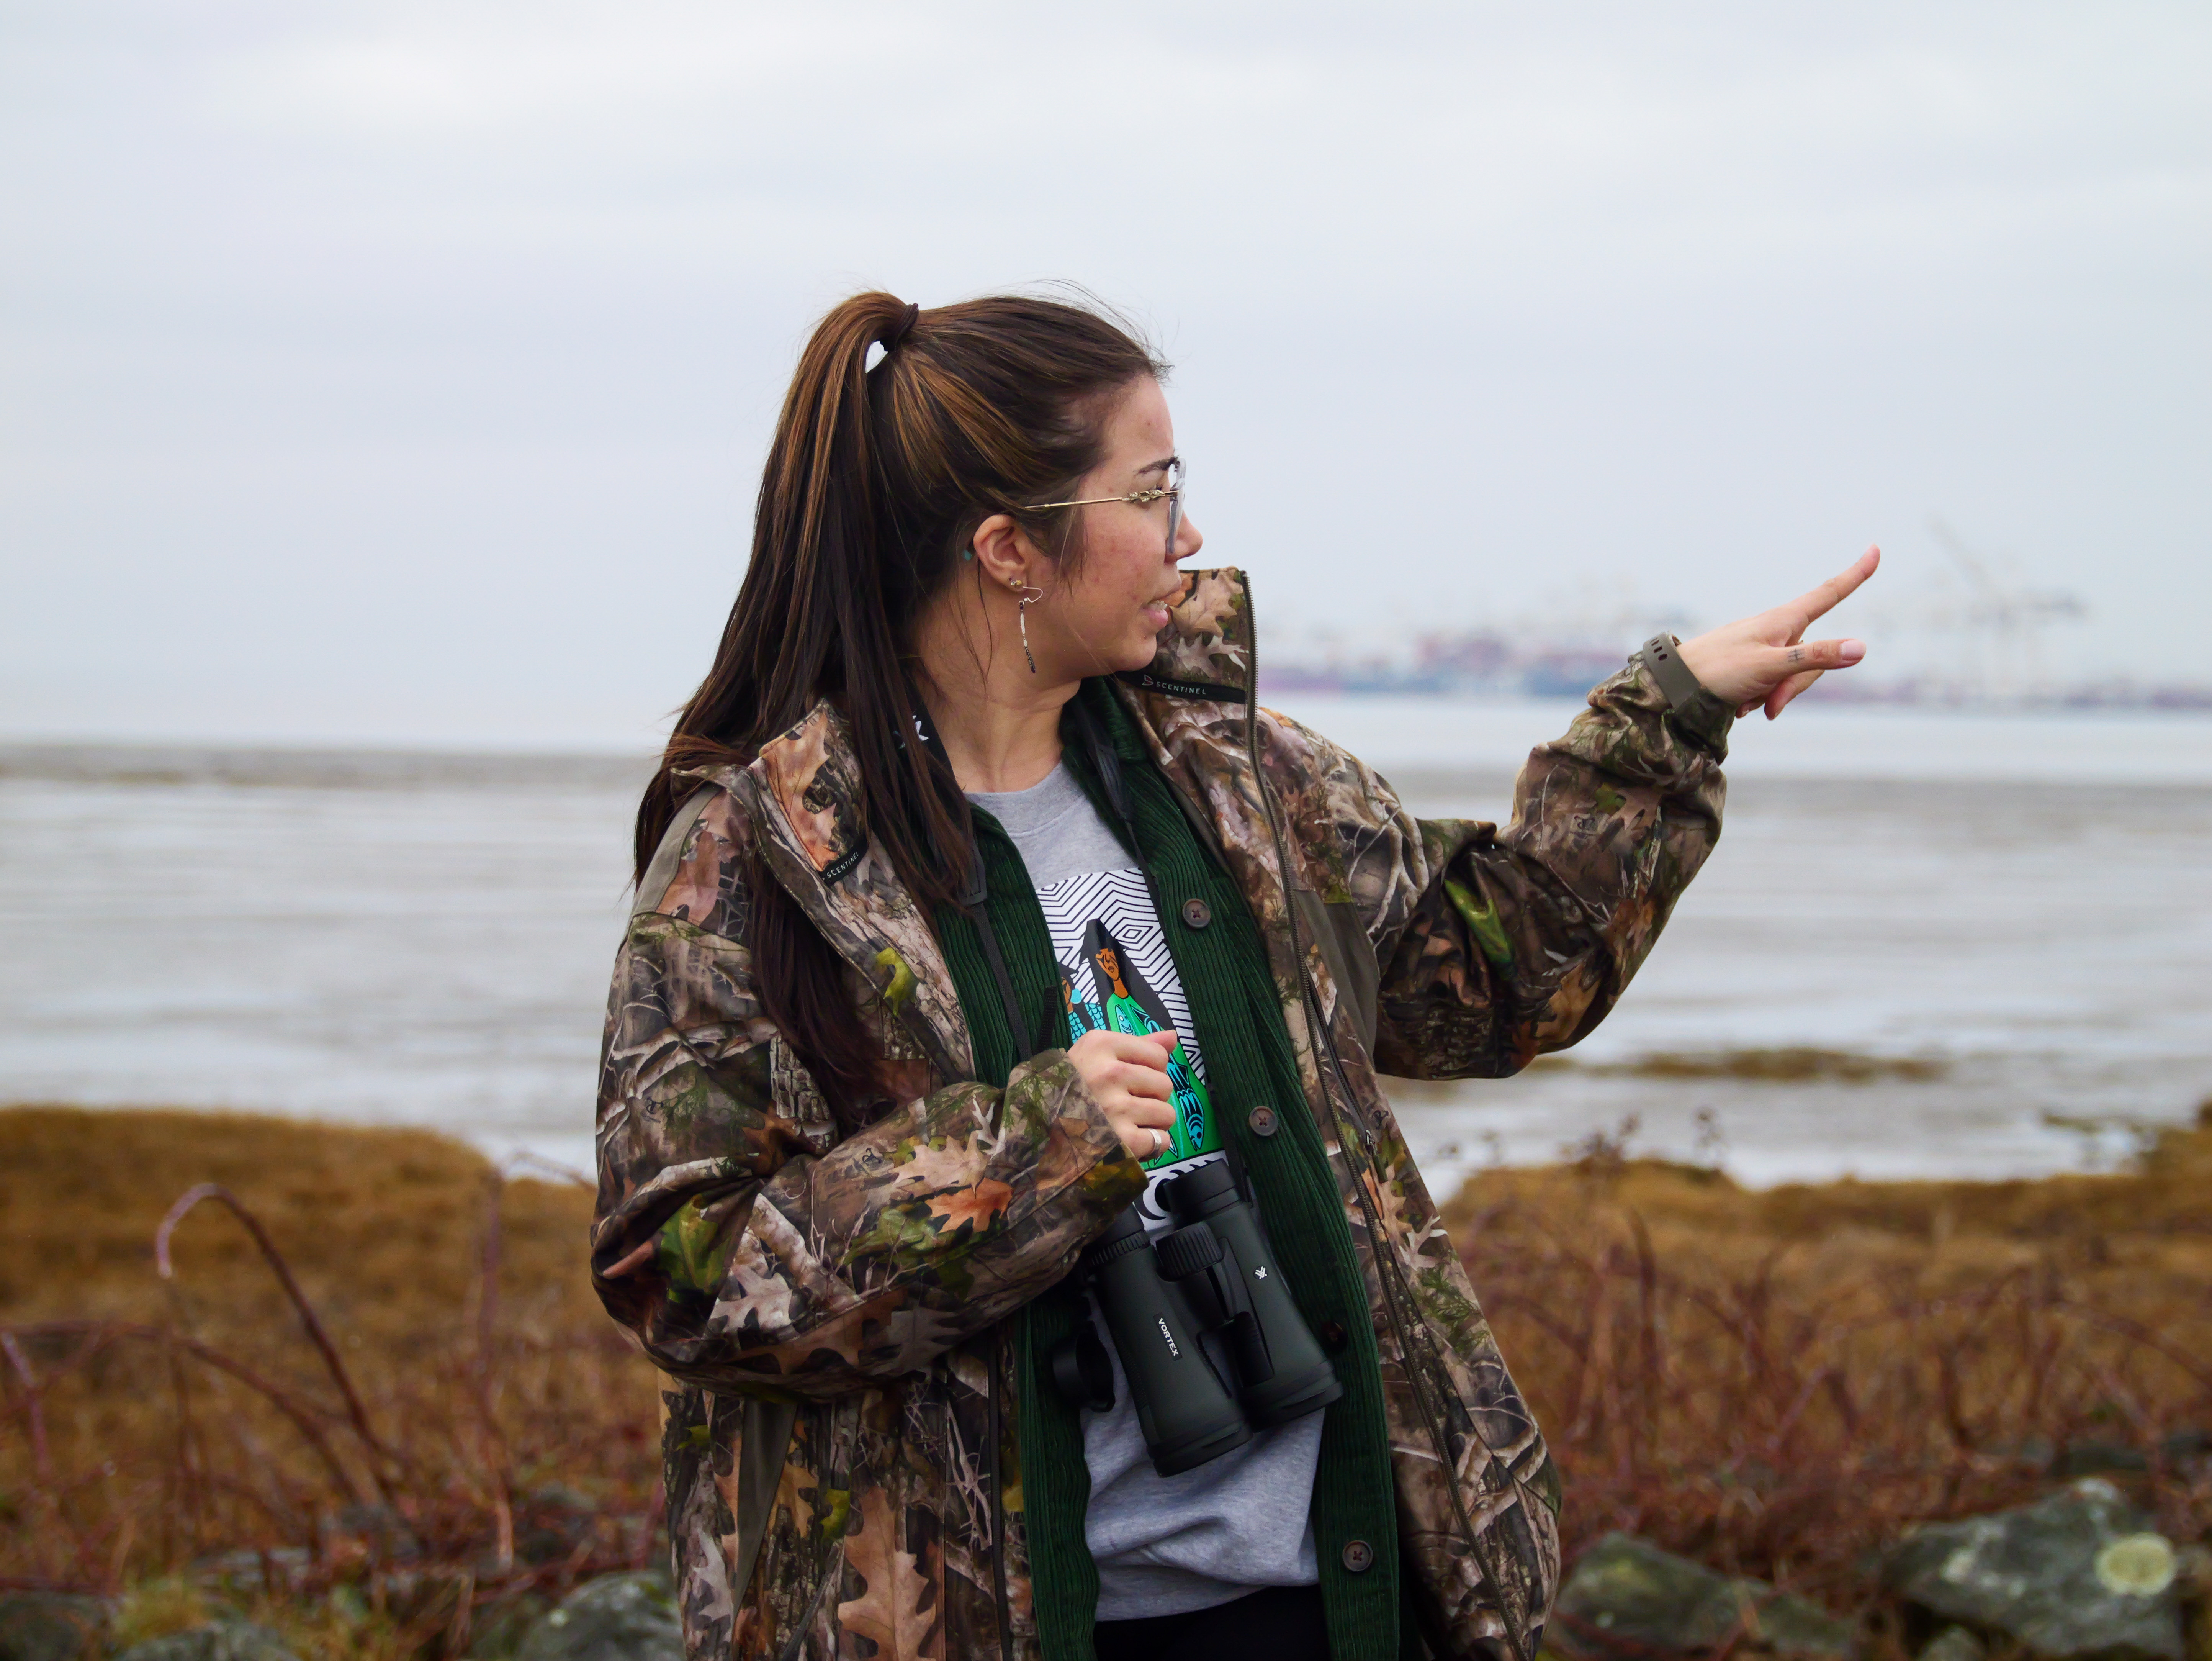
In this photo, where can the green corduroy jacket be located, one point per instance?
(1223, 965)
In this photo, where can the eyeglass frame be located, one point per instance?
(1141, 498)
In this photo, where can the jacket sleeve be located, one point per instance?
(750, 1250)
(1494, 947)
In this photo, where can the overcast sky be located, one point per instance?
(402, 371)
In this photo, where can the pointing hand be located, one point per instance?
(1765, 659)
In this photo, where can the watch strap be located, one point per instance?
(1696, 711)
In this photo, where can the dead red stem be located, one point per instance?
(34, 1410)
(380, 1456)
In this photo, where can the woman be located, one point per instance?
(977, 761)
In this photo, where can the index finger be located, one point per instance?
(1837, 588)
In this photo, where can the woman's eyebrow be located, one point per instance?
(1159, 466)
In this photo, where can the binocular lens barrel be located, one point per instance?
(1183, 1407)
(1214, 1274)
(1281, 1371)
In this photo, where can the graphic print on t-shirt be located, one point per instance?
(1116, 973)
(1120, 998)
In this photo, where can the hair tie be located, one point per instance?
(900, 330)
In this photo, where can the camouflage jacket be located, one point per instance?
(828, 1300)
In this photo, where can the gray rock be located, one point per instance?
(617, 1617)
(1954, 1644)
(2080, 1574)
(2092, 1459)
(50, 1626)
(1626, 1597)
(285, 1568)
(551, 1523)
(556, 1496)
(2189, 1452)
(383, 1530)
(432, 1598)
(499, 1632)
(218, 1641)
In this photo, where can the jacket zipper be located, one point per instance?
(998, 1499)
(1386, 1261)
(797, 1641)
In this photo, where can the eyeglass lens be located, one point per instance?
(1177, 478)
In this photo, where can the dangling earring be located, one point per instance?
(1030, 597)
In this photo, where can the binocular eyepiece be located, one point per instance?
(1212, 1274)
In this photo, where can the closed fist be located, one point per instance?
(1127, 1077)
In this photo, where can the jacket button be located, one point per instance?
(1333, 1336)
(1196, 914)
(1358, 1556)
(1262, 1121)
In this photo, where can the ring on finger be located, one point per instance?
(1160, 1139)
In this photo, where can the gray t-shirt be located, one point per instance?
(1165, 1545)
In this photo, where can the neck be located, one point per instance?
(999, 722)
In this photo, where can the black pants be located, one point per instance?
(1282, 1623)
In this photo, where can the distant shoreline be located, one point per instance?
(2121, 697)
(338, 766)
(414, 760)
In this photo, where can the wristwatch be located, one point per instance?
(1693, 709)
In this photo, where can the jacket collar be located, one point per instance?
(1206, 651)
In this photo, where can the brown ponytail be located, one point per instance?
(875, 481)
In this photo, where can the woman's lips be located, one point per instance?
(1156, 615)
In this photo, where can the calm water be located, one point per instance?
(2024, 900)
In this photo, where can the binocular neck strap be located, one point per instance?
(975, 901)
(1106, 765)
(974, 897)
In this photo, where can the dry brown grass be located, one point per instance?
(1788, 1064)
(448, 1454)
(1776, 1383)
(1773, 1382)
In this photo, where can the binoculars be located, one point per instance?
(1212, 1274)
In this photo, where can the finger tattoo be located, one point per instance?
(1796, 655)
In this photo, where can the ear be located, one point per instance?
(1010, 560)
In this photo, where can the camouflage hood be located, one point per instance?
(829, 1300)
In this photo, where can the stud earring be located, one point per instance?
(1030, 597)
(967, 554)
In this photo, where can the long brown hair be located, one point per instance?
(876, 480)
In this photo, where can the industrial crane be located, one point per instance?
(2008, 620)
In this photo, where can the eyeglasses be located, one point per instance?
(1171, 493)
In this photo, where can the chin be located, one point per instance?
(1141, 653)
(1136, 650)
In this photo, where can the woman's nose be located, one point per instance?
(1188, 540)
